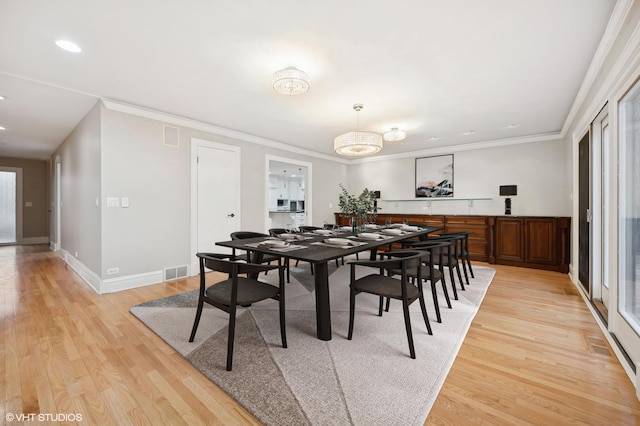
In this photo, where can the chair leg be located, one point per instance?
(457, 267)
(283, 329)
(197, 320)
(469, 264)
(453, 283)
(436, 305)
(232, 330)
(380, 307)
(424, 314)
(407, 325)
(352, 311)
(388, 302)
(446, 293)
(464, 269)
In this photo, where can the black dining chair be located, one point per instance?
(462, 251)
(236, 290)
(384, 285)
(432, 251)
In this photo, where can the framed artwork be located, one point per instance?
(434, 176)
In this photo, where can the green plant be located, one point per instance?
(358, 207)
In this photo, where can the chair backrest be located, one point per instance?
(241, 235)
(221, 263)
(277, 231)
(307, 228)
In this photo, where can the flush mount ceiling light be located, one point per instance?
(291, 81)
(357, 143)
(394, 135)
(69, 46)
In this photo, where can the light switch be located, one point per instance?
(28, 204)
(124, 202)
(113, 201)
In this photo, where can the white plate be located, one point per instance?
(322, 231)
(392, 231)
(288, 236)
(274, 243)
(340, 242)
(410, 228)
(368, 236)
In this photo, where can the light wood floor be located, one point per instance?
(533, 355)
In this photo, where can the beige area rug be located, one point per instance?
(370, 380)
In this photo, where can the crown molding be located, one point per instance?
(611, 32)
(463, 147)
(164, 117)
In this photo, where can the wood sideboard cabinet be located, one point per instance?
(538, 242)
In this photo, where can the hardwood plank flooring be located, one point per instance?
(533, 355)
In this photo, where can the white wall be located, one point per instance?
(80, 187)
(154, 232)
(538, 168)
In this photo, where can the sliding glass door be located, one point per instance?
(629, 208)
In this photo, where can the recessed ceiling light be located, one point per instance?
(69, 46)
(2, 98)
(510, 126)
(3, 128)
(470, 132)
(435, 138)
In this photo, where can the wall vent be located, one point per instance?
(171, 136)
(176, 272)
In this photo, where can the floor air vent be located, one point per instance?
(175, 272)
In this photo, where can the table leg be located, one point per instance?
(323, 307)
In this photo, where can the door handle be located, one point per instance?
(231, 215)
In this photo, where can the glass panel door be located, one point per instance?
(8, 205)
(629, 208)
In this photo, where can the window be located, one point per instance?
(629, 207)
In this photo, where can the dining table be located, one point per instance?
(319, 247)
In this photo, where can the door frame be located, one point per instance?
(195, 144)
(308, 199)
(18, 172)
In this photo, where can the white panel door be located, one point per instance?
(218, 192)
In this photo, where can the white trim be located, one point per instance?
(132, 281)
(618, 16)
(622, 65)
(199, 125)
(87, 275)
(462, 147)
(607, 334)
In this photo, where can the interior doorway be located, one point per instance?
(584, 213)
(288, 193)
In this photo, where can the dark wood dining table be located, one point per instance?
(319, 255)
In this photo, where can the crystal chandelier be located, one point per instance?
(290, 81)
(357, 143)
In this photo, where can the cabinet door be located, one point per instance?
(283, 190)
(509, 243)
(541, 240)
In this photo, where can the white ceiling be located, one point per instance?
(431, 67)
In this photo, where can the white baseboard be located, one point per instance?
(85, 273)
(112, 284)
(131, 281)
(34, 240)
(54, 246)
